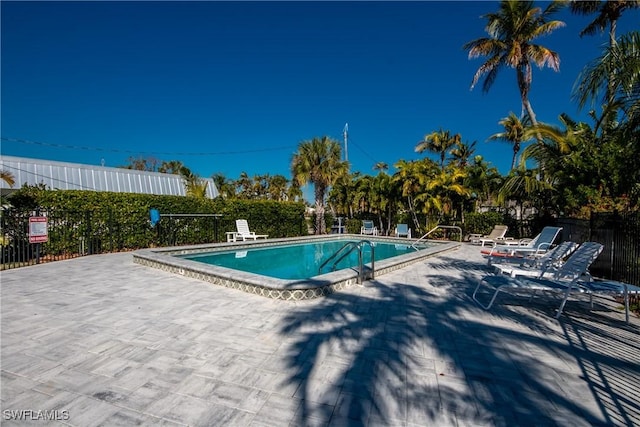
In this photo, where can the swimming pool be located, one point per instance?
(180, 260)
(303, 260)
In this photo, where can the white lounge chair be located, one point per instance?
(496, 235)
(368, 228)
(403, 230)
(534, 247)
(610, 288)
(543, 266)
(564, 279)
(243, 233)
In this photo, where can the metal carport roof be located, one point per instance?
(76, 176)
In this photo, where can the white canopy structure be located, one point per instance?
(76, 176)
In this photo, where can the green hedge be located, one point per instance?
(482, 222)
(106, 221)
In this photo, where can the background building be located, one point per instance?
(75, 176)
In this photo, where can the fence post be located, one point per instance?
(87, 220)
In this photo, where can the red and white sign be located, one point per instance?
(38, 229)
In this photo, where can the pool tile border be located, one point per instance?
(287, 290)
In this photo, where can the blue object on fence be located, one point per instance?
(154, 214)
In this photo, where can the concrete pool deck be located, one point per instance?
(100, 340)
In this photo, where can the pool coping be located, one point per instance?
(269, 287)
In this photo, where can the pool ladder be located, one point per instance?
(345, 250)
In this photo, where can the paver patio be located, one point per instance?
(104, 341)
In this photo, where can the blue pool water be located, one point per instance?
(297, 261)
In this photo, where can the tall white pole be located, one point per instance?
(345, 133)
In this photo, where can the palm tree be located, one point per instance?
(512, 31)
(438, 142)
(483, 181)
(196, 188)
(193, 184)
(447, 187)
(556, 142)
(294, 192)
(411, 178)
(172, 167)
(318, 162)
(226, 187)
(340, 196)
(7, 177)
(569, 158)
(514, 130)
(585, 169)
(259, 189)
(617, 70)
(244, 186)
(609, 12)
(385, 199)
(523, 185)
(277, 187)
(381, 167)
(461, 153)
(363, 193)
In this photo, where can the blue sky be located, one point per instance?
(234, 86)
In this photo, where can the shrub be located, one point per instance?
(482, 222)
(107, 221)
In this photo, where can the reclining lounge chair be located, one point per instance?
(564, 280)
(543, 266)
(243, 233)
(496, 235)
(534, 247)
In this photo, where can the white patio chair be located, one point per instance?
(564, 279)
(534, 247)
(243, 232)
(543, 266)
(496, 235)
(368, 228)
(403, 230)
(609, 288)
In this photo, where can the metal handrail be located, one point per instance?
(434, 229)
(344, 255)
(360, 261)
(352, 246)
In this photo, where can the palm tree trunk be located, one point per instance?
(319, 195)
(416, 223)
(530, 113)
(524, 83)
(612, 42)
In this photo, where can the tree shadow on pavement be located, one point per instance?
(395, 352)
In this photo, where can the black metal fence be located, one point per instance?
(77, 233)
(620, 235)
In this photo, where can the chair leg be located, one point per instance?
(564, 301)
(626, 303)
(493, 298)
